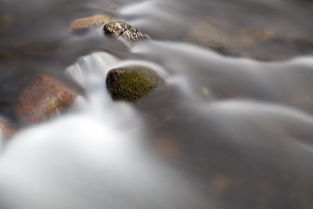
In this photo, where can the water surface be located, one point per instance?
(232, 128)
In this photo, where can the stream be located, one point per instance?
(232, 128)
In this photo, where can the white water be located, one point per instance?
(93, 157)
(246, 122)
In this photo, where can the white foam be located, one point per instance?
(91, 158)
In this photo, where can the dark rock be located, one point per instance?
(44, 97)
(124, 30)
(132, 83)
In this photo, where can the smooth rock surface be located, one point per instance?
(85, 23)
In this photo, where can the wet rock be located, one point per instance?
(6, 129)
(6, 20)
(214, 37)
(166, 147)
(282, 48)
(132, 83)
(124, 30)
(253, 36)
(82, 24)
(266, 42)
(44, 97)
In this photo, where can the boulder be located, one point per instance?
(132, 83)
(44, 97)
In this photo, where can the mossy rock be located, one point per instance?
(132, 83)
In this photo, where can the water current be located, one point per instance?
(232, 128)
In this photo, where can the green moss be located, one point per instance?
(132, 83)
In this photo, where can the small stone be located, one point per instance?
(43, 98)
(205, 91)
(89, 22)
(132, 83)
(124, 30)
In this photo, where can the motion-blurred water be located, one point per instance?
(93, 157)
(226, 132)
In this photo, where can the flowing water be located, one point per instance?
(232, 129)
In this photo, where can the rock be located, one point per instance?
(124, 30)
(44, 97)
(5, 128)
(262, 42)
(132, 83)
(165, 146)
(214, 37)
(252, 36)
(85, 23)
(6, 20)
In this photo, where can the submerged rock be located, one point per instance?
(6, 129)
(85, 23)
(210, 35)
(262, 42)
(44, 97)
(132, 83)
(124, 30)
(252, 36)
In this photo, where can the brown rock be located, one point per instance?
(253, 36)
(85, 23)
(212, 36)
(44, 97)
(5, 128)
(220, 184)
(169, 148)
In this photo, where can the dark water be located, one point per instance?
(232, 129)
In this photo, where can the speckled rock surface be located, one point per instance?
(124, 30)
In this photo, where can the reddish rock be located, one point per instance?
(44, 97)
(220, 184)
(5, 128)
(169, 148)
